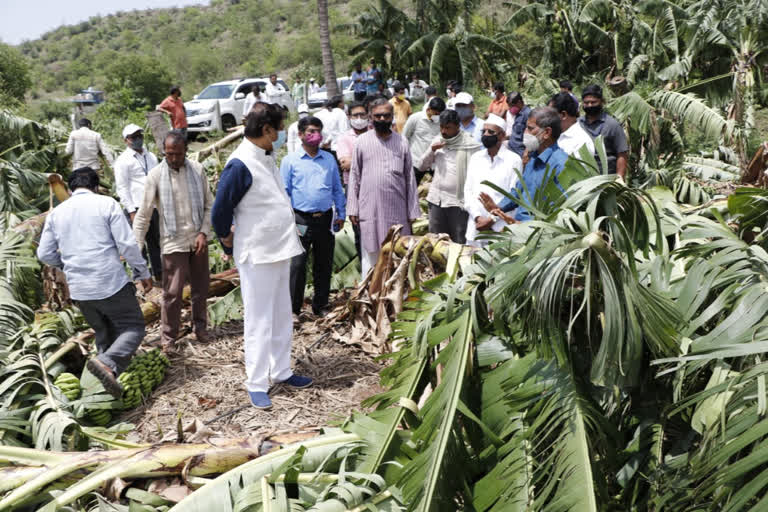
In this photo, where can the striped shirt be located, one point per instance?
(382, 187)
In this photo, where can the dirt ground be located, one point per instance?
(205, 382)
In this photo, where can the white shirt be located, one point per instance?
(274, 92)
(335, 123)
(131, 169)
(444, 189)
(417, 88)
(573, 138)
(451, 103)
(502, 172)
(251, 100)
(86, 145)
(294, 143)
(510, 123)
(419, 131)
(426, 103)
(313, 88)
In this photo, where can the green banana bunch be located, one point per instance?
(99, 417)
(144, 373)
(69, 385)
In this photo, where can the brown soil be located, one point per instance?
(205, 382)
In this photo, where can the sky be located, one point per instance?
(22, 20)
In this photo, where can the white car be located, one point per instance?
(220, 105)
(318, 99)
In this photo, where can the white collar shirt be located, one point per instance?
(131, 169)
(293, 142)
(573, 138)
(419, 130)
(502, 171)
(274, 92)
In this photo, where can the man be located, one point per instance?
(546, 161)
(519, 112)
(178, 189)
(499, 105)
(382, 186)
(448, 155)
(567, 87)
(274, 90)
(401, 106)
(334, 120)
(374, 78)
(465, 106)
(451, 91)
(174, 107)
(417, 88)
(359, 122)
(294, 143)
(360, 81)
(313, 87)
(430, 92)
(131, 169)
(85, 146)
(251, 195)
(596, 122)
(383, 91)
(497, 164)
(421, 129)
(312, 182)
(251, 99)
(573, 136)
(86, 236)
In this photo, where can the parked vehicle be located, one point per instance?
(318, 99)
(220, 106)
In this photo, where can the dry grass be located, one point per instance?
(205, 382)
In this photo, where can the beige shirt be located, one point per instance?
(186, 231)
(444, 189)
(85, 145)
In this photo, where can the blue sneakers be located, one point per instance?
(260, 400)
(298, 382)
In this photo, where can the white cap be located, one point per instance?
(131, 129)
(464, 98)
(311, 79)
(303, 108)
(496, 121)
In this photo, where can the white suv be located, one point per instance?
(220, 105)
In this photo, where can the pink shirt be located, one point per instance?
(345, 146)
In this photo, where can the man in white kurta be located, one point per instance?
(253, 218)
(496, 164)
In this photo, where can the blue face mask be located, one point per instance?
(280, 140)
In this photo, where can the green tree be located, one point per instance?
(144, 76)
(15, 79)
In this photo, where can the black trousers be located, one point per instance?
(321, 241)
(451, 220)
(152, 246)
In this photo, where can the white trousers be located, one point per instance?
(268, 322)
(369, 260)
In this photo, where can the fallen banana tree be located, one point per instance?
(29, 475)
(404, 263)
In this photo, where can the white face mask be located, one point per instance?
(358, 124)
(448, 93)
(531, 142)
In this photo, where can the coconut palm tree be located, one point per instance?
(329, 71)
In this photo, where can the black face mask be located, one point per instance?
(489, 140)
(382, 127)
(593, 111)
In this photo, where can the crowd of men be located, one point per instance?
(362, 161)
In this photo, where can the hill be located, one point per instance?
(196, 45)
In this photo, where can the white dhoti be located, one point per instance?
(268, 323)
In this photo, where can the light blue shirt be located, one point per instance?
(540, 166)
(85, 236)
(313, 184)
(475, 127)
(362, 84)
